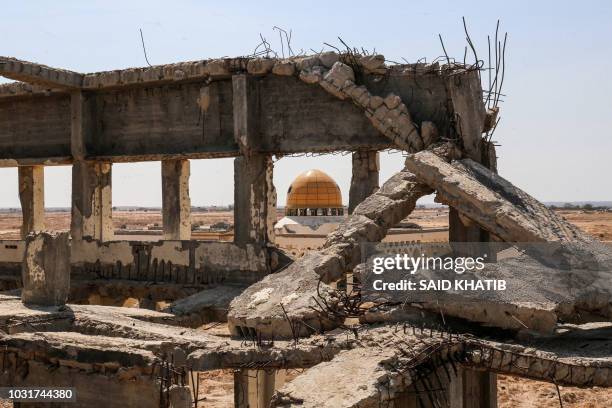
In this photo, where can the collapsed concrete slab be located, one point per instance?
(363, 374)
(491, 201)
(153, 332)
(304, 285)
(46, 269)
(39, 74)
(508, 212)
(535, 297)
(403, 366)
(284, 304)
(124, 350)
(205, 306)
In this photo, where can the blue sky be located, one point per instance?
(555, 130)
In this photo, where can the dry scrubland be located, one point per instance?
(596, 223)
(217, 386)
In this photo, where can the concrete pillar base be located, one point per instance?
(254, 388)
(180, 397)
(465, 389)
(46, 269)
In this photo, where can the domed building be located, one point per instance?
(313, 208)
(314, 193)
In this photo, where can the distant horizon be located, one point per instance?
(607, 204)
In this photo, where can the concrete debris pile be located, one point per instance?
(126, 351)
(580, 295)
(296, 289)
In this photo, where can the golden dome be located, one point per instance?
(315, 192)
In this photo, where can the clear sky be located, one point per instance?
(555, 132)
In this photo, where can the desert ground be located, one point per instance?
(216, 386)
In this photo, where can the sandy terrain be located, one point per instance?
(60, 221)
(596, 223)
(520, 393)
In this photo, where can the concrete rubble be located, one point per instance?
(363, 373)
(380, 363)
(537, 298)
(298, 287)
(380, 370)
(208, 305)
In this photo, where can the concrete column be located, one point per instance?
(180, 397)
(254, 200)
(479, 389)
(254, 388)
(245, 104)
(46, 269)
(176, 204)
(365, 179)
(91, 201)
(32, 197)
(464, 389)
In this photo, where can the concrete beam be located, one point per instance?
(91, 201)
(39, 74)
(365, 178)
(293, 117)
(491, 201)
(363, 380)
(32, 198)
(176, 204)
(254, 200)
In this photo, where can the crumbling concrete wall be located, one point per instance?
(184, 262)
(179, 262)
(127, 386)
(46, 269)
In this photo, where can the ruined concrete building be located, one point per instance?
(282, 313)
